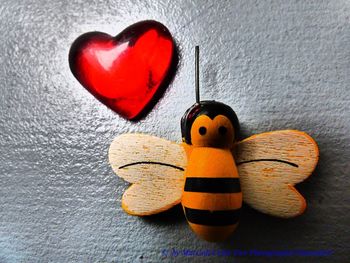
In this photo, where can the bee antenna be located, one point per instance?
(197, 73)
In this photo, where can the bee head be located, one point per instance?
(210, 124)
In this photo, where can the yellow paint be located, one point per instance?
(212, 138)
(212, 201)
(211, 162)
(213, 233)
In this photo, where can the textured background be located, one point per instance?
(279, 64)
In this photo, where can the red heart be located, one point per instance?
(127, 71)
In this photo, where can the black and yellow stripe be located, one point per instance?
(212, 201)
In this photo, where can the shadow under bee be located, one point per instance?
(175, 215)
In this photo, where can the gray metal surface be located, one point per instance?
(279, 64)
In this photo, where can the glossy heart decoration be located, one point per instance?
(128, 71)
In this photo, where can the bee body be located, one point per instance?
(212, 197)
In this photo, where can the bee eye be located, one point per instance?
(222, 130)
(202, 130)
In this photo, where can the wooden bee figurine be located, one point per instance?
(211, 173)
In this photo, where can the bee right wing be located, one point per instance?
(270, 164)
(154, 166)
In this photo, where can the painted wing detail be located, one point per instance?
(269, 166)
(154, 166)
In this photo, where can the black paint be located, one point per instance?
(156, 163)
(214, 218)
(212, 185)
(268, 160)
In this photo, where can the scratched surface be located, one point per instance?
(279, 64)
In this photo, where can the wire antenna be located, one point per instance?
(197, 73)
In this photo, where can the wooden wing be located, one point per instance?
(269, 166)
(154, 166)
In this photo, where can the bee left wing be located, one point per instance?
(154, 166)
(269, 166)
